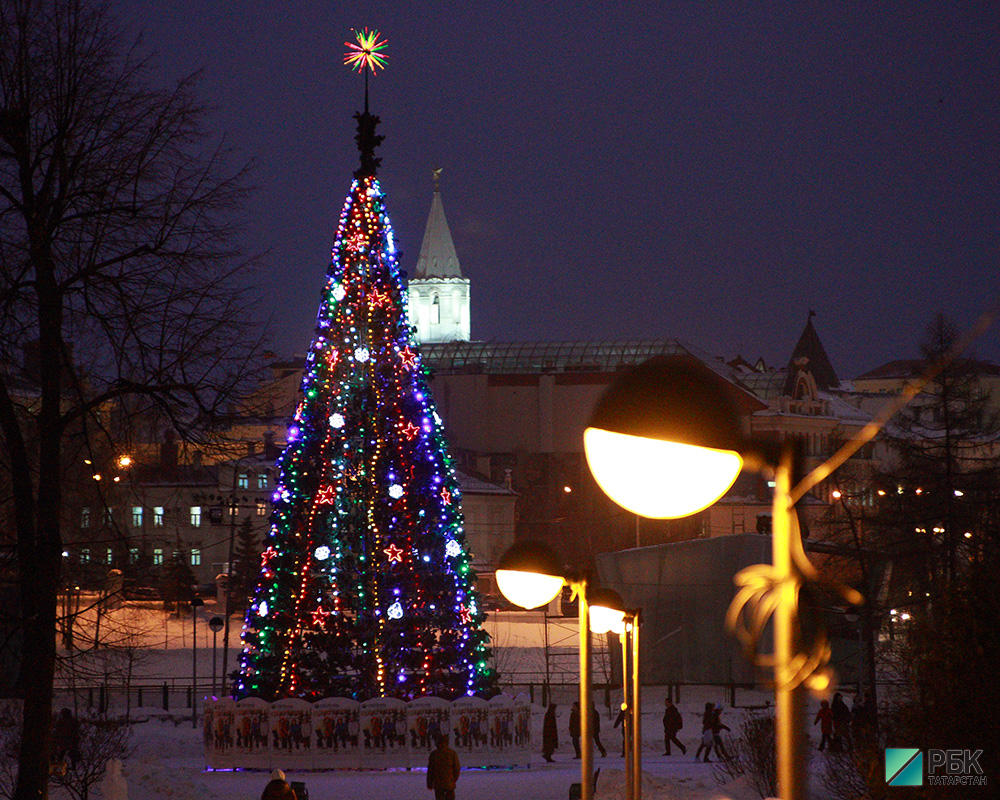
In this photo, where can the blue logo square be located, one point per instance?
(904, 766)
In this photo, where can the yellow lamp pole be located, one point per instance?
(629, 709)
(632, 628)
(788, 691)
(607, 613)
(586, 739)
(529, 575)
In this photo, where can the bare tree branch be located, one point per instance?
(123, 289)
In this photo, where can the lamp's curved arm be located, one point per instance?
(758, 597)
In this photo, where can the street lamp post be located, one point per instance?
(632, 632)
(233, 509)
(229, 579)
(529, 575)
(195, 603)
(609, 614)
(215, 624)
(853, 617)
(664, 441)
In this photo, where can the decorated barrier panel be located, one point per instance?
(385, 733)
(220, 733)
(337, 726)
(251, 720)
(470, 731)
(426, 719)
(291, 734)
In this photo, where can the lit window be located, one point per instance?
(136, 516)
(111, 556)
(243, 481)
(133, 554)
(157, 556)
(262, 480)
(261, 507)
(158, 516)
(84, 517)
(108, 514)
(435, 310)
(195, 516)
(85, 555)
(195, 556)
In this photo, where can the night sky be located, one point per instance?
(705, 171)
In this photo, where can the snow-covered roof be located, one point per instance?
(469, 484)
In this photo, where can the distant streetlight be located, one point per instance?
(665, 441)
(529, 575)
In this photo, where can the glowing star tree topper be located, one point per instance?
(368, 51)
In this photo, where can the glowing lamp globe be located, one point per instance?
(529, 575)
(607, 611)
(664, 441)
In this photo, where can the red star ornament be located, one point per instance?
(357, 242)
(446, 496)
(266, 556)
(408, 357)
(394, 553)
(320, 616)
(410, 430)
(378, 299)
(326, 496)
(465, 614)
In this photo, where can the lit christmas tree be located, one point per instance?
(366, 586)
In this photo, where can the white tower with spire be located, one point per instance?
(438, 294)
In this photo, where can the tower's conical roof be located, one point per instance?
(811, 348)
(438, 258)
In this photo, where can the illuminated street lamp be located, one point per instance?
(608, 614)
(658, 450)
(529, 575)
(665, 441)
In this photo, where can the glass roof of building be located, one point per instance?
(531, 357)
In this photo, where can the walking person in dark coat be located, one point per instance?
(841, 723)
(550, 735)
(672, 723)
(596, 727)
(66, 737)
(621, 719)
(574, 728)
(443, 770)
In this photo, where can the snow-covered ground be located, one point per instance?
(169, 763)
(169, 760)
